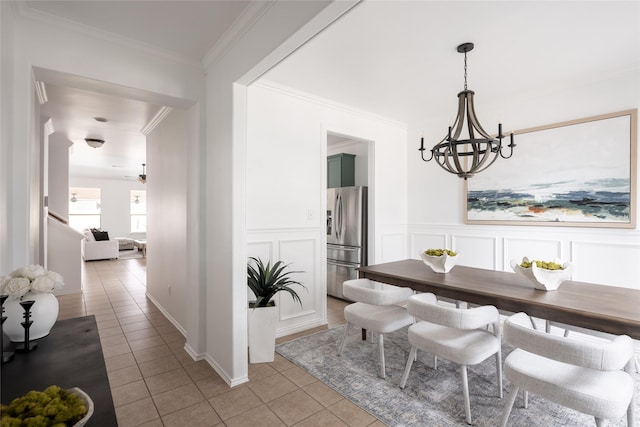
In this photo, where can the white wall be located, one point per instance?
(167, 215)
(286, 188)
(59, 174)
(115, 203)
(36, 191)
(607, 256)
(6, 133)
(282, 28)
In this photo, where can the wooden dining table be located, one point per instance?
(604, 308)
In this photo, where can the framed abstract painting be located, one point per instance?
(580, 173)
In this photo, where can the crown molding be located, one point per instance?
(41, 91)
(305, 96)
(49, 129)
(243, 23)
(26, 12)
(40, 88)
(320, 22)
(155, 121)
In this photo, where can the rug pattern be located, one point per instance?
(431, 397)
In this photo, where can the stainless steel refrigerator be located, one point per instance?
(346, 235)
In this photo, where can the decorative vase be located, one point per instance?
(44, 314)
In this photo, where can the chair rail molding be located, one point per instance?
(589, 249)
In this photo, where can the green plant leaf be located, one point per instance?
(265, 281)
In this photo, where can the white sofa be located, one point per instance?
(95, 250)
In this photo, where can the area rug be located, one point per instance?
(130, 254)
(431, 397)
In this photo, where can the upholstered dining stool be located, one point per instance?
(595, 378)
(375, 310)
(456, 334)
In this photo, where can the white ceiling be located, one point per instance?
(397, 59)
(73, 111)
(187, 30)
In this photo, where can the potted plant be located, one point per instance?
(265, 281)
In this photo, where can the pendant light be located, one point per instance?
(466, 157)
(143, 176)
(94, 142)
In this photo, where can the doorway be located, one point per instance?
(358, 154)
(136, 127)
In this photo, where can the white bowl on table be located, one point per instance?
(541, 278)
(88, 402)
(440, 264)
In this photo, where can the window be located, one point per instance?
(84, 208)
(138, 211)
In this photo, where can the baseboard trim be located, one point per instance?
(166, 314)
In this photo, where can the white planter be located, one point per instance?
(44, 314)
(262, 334)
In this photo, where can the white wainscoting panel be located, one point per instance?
(393, 247)
(517, 248)
(301, 255)
(602, 256)
(614, 264)
(304, 250)
(477, 251)
(422, 241)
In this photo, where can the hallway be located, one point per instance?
(155, 383)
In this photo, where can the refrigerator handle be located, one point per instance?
(339, 216)
(341, 264)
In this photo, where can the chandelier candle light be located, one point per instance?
(479, 149)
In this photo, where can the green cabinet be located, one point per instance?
(341, 170)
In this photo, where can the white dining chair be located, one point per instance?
(376, 309)
(595, 378)
(603, 335)
(456, 334)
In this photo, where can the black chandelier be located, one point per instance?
(466, 157)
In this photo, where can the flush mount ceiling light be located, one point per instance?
(143, 176)
(466, 157)
(94, 142)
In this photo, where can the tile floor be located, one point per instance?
(155, 383)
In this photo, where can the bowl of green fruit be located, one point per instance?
(440, 260)
(54, 406)
(545, 275)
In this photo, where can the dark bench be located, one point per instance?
(70, 356)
